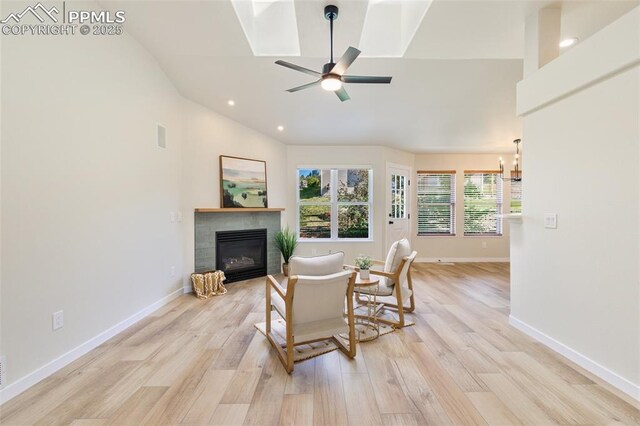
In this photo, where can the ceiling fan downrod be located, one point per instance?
(331, 13)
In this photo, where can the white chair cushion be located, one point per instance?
(317, 265)
(319, 329)
(398, 250)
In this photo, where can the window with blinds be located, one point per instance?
(482, 203)
(436, 202)
(516, 194)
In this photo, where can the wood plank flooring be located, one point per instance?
(202, 362)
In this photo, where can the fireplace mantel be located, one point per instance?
(237, 210)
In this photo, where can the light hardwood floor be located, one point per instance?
(199, 362)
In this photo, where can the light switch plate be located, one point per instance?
(551, 220)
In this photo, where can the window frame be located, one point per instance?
(334, 203)
(453, 195)
(499, 204)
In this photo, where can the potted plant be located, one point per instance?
(364, 264)
(286, 241)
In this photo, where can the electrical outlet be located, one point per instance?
(551, 220)
(173, 271)
(58, 320)
(314, 252)
(484, 244)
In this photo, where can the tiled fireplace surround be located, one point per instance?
(207, 223)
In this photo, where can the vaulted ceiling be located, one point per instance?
(452, 91)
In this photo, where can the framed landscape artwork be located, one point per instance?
(243, 182)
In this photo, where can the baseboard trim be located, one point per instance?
(16, 388)
(460, 259)
(604, 373)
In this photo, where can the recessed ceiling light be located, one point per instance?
(231, 102)
(568, 42)
(280, 128)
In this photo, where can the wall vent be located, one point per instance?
(162, 136)
(3, 370)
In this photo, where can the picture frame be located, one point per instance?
(243, 182)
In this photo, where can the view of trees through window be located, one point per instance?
(436, 203)
(334, 203)
(482, 204)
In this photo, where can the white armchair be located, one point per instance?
(395, 289)
(312, 304)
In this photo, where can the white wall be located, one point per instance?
(582, 19)
(207, 136)
(86, 191)
(459, 247)
(577, 287)
(374, 156)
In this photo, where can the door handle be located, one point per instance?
(390, 222)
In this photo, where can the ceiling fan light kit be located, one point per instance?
(332, 76)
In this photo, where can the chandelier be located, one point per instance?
(517, 174)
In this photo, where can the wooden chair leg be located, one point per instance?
(267, 310)
(290, 345)
(412, 301)
(398, 289)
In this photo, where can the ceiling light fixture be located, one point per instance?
(516, 175)
(568, 42)
(231, 102)
(280, 128)
(331, 83)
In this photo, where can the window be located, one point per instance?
(482, 203)
(398, 196)
(516, 194)
(334, 203)
(436, 202)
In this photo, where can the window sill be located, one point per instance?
(436, 235)
(483, 235)
(512, 217)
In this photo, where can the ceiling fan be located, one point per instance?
(332, 75)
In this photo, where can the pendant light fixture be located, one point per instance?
(517, 175)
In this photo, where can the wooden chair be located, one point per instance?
(312, 304)
(395, 290)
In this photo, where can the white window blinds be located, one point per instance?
(482, 203)
(436, 192)
(516, 194)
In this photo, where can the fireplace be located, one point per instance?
(242, 254)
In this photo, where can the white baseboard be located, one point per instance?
(604, 373)
(24, 383)
(460, 259)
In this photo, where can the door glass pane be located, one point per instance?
(398, 196)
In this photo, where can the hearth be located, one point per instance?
(242, 254)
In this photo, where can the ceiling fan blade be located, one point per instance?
(305, 86)
(299, 68)
(365, 79)
(347, 59)
(342, 94)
